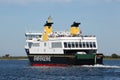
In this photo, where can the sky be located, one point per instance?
(97, 17)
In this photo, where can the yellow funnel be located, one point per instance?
(44, 37)
(74, 30)
(48, 26)
(47, 29)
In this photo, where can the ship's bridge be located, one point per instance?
(32, 35)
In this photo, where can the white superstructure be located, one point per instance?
(59, 42)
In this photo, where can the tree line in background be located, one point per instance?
(9, 57)
(114, 55)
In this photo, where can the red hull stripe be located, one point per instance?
(49, 64)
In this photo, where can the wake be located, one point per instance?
(101, 66)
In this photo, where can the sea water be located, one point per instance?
(21, 70)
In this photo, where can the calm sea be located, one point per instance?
(20, 70)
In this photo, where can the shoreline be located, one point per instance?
(14, 58)
(111, 58)
(26, 58)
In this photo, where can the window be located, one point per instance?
(30, 44)
(80, 44)
(56, 45)
(84, 45)
(38, 36)
(65, 44)
(76, 44)
(73, 45)
(91, 45)
(33, 36)
(45, 44)
(36, 44)
(69, 45)
(29, 37)
(94, 44)
(87, 44)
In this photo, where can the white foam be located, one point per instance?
(101, 66)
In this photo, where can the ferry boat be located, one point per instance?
(62, 48)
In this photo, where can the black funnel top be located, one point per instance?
(75, 24)
(48, 23)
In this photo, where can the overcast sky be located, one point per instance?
(97, 17)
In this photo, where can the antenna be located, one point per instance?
(49, 19)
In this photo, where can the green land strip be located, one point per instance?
(26, 58)
(110, 58)
(14, 58)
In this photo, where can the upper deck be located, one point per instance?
(58, 35)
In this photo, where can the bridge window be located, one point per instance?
(28, 37)
(56, 45)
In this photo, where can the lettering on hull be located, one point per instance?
(42, 58)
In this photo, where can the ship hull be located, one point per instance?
(64, 60)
